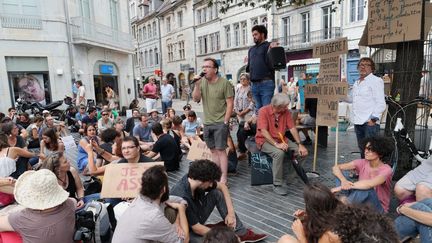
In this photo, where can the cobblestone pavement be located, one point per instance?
(257, 206)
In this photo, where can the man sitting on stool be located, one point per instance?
(273, 121)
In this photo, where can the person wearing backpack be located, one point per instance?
(134, 226)
(49, 214)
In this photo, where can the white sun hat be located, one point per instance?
(39, 190)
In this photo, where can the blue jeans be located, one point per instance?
(166, 105)
(365, 131)
(406, 226)
(262, 92)
(357, 196)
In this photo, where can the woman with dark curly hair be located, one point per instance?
(362, 224)
(312, 224)
(375, 175)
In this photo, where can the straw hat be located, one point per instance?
(153, 110)
(39, 190)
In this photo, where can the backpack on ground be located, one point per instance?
(95, 223)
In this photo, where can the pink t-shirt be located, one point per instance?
(151, 89)
(365, 172)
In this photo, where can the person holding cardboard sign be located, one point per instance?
(275, 119)
(153, 226)
(202, 191)
(131, 152)
(368, 102)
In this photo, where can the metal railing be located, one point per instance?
(91, 33)
(306, 40)
(21, 21)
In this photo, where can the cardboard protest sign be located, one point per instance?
(329, 70)
(124, 180)
(199, 150)
(331, 48)
(336, 90)
(329, 89)
(393, 21)
(327, 112)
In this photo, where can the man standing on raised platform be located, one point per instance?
(368, 102)
(273, 121)
(217, 95)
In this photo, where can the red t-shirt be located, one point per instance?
(151, 90)
(366, 172)
(267, 120)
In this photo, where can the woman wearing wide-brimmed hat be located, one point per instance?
(49, 216)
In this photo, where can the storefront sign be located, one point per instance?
(106, 69)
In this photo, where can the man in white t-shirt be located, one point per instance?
(80, 99)
(167, 91)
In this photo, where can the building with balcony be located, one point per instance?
(301, 27)
(146, 38)
(227, 37)
(177, 41)
(56, 42)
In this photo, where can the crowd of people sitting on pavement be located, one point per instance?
(36, 173)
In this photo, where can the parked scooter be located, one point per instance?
(37, 108)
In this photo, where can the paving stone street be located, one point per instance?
(258, 206)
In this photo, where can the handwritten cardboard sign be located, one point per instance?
(335, 90)
(124, 180)
(329, 70)
(394, 21)
(327, 112)
(329, 89)
(199, 150)
(331, 48)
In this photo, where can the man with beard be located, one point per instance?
(202, 191)
(134, 226)
(260, 69)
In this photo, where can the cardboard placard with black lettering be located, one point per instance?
(124, 180)
(199, 150)
(394, 21)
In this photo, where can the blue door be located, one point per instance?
(352, 72)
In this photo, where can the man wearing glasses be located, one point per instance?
(273, 121)
(368, 102)
(217, 95)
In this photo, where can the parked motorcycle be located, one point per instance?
(37, 108)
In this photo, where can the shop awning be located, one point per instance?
(303, 62)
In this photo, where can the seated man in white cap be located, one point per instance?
(154, 117)
(49, 216)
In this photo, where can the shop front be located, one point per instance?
(105, 74)
(29, 79)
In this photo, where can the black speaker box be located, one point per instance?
(276, 56)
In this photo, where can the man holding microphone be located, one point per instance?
(217, 95)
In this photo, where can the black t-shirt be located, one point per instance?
(142, 159)
(311, 106)
(87, 120)
(168, 149)
(194, 209)
(107, 147)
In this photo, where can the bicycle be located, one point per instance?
(399, 131)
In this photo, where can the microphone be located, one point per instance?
(196, 79)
